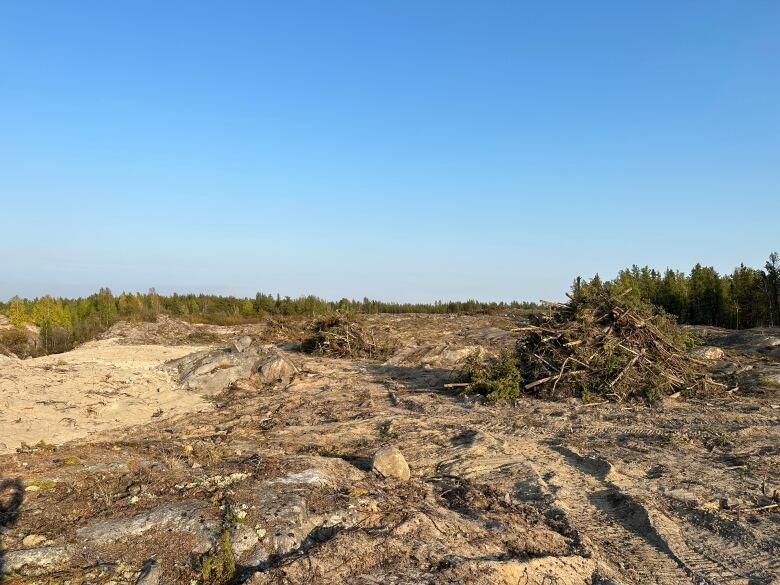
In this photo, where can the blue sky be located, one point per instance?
(405, 150)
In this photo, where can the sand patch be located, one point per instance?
(97, 387)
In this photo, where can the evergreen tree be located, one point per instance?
(772, 287)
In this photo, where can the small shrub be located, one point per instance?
(16, 342)
(494, 377)
(219, 566)
(40, 484)
(69, 461)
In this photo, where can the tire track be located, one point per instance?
(618, 530)
(643, 544)
(617, 527)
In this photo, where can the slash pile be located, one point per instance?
(606, 343)
(340, 336)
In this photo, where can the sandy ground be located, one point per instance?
(99, 386)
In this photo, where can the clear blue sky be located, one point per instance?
(405, 150)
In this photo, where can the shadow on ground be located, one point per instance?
(11, 497)
(415, 377)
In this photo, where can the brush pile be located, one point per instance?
(608, 343)
(340, 336)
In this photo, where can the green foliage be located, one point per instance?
(747, 297)
(494, 377)
(65, 323)
(219, 566)
(607, 341)
(39, 446)
(41, 484)
(16, 313)
(233, 310)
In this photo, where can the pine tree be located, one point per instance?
(772, 267)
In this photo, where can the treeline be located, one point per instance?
(64, 323)
(748, 297)
(226, 310)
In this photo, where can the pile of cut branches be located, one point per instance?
(608, 343)
(340, 336)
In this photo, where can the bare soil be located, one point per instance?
(528, 491)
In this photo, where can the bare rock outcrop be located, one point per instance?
(290, 512)
(35, 561)
(210, 372)
(276, 368)
(760, 340)
(188, 517)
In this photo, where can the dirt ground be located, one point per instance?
(272, 483)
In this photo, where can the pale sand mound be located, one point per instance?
(97, 387)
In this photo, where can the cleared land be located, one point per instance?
(270, 480)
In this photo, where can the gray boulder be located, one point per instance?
(212, 371)
(276, 368)
(241, 344)
(390, 462)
